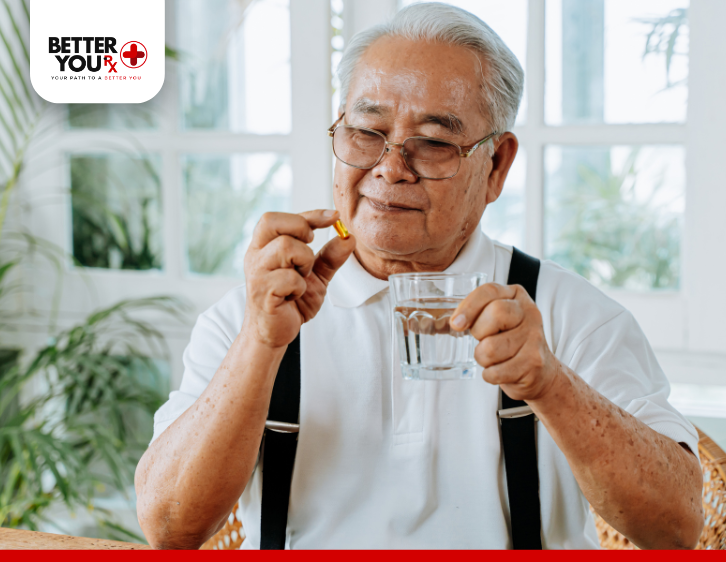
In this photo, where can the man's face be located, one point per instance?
(404, 89)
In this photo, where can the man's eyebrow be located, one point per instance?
(447, 121)
(369, 107)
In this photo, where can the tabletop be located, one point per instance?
(14, 539)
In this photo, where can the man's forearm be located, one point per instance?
(190, 477)
(644, 484)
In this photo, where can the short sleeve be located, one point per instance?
(617, 361)
(211, 338)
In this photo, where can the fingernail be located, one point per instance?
(459, 321)
(329, 214)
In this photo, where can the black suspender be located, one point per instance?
(518, 438)
(280, 444)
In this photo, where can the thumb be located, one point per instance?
(332, 256)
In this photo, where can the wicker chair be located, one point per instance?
(713, 463)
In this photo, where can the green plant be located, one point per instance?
(218, 214)
(613, 238)
(115, 211)
(74, 415)
(20, 108)
(88, 427)
(663, 37)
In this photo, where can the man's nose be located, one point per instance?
(392, 167)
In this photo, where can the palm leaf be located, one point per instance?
(61, 445)
(663, 36)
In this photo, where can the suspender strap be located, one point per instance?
(518, 438)
(279, 451)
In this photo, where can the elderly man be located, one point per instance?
(386, 463)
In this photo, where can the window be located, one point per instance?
(615, 214)
(622, 123)
(619, 175)
(616, 61)
(235, 74)
(225, 196)
(116, 208)
(162, 197)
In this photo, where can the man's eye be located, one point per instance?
(369, 134)
(434, 143)
(366, 137)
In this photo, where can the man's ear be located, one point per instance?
(505, 150)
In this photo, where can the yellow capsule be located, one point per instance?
(341, 230)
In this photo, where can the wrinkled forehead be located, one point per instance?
(397, 77)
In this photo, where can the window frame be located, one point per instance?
(687, 336)
(688, 339)
(684, 326)
(307, 145)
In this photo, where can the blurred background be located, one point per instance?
(120, 224)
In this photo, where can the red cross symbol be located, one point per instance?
(131, 57)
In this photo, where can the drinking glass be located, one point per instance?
(423, 304)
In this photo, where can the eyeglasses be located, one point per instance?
(427, 157)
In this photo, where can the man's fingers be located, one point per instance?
(332, 256)
(500, 347)
(498, 316)
(284, 284)
(471, 307)
(321, 218)
(287, 252)
(506, 372)
(272, 225)
(515, 376)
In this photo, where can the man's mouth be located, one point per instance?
(390, 206)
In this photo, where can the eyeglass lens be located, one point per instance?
(428, 158)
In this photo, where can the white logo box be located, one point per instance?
(139, 24)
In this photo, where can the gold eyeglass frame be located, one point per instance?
(464, 151)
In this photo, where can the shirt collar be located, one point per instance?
(352, 285)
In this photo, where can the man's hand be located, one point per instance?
(286, 281)
(512, 347)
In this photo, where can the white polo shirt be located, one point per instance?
(388, 463)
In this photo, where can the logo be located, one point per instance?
(135, 57)
(86, 51)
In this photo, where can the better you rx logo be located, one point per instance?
(89, 51)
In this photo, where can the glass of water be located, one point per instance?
(423, 304)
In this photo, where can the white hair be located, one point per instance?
(434, 22)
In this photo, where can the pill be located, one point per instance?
(341, 230)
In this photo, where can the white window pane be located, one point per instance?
(337, 47)
(235, 65)
(503, 220)
(508, 20)
(610, 61)
(225, 197)
(614, 214)
(116, 206)
(113, 116)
